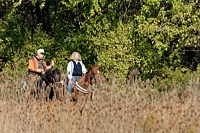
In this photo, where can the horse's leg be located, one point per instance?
(35, 93)
(51, 93)
(62, 93)
(84, 102)
(75, 97)
(75, 94)
(38, 88)
(70, 95)
(91, 95)
(63, 90)
(59, 94)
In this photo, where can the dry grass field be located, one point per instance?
(136, 107)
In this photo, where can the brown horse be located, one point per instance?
(85, 84)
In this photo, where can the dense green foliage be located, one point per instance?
(120, 35)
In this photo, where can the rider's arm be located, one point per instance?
(83, 68)
(45, 65)
(70, 68)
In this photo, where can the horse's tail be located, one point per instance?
(24, 84)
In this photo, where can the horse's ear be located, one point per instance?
(91, 65)
(52, 69)
(60, 70)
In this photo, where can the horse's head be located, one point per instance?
(96, 75)
(55, 76)
(52, 75)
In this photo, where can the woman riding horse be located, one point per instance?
(75, 69)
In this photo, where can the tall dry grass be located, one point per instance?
(136, 107)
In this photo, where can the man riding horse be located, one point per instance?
(38, 67)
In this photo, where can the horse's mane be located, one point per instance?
(56, 70)
(49, 71)
(88, 71)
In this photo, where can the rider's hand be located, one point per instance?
(52, 63)
(39, 70)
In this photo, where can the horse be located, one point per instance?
(51, 77)
(84, 84)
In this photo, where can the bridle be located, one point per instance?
(55, 82)
(52, 79)
(92, 76)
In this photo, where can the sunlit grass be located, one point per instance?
(136, 107)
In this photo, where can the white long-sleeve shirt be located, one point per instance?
(70, 68)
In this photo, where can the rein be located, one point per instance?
(52, 79)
